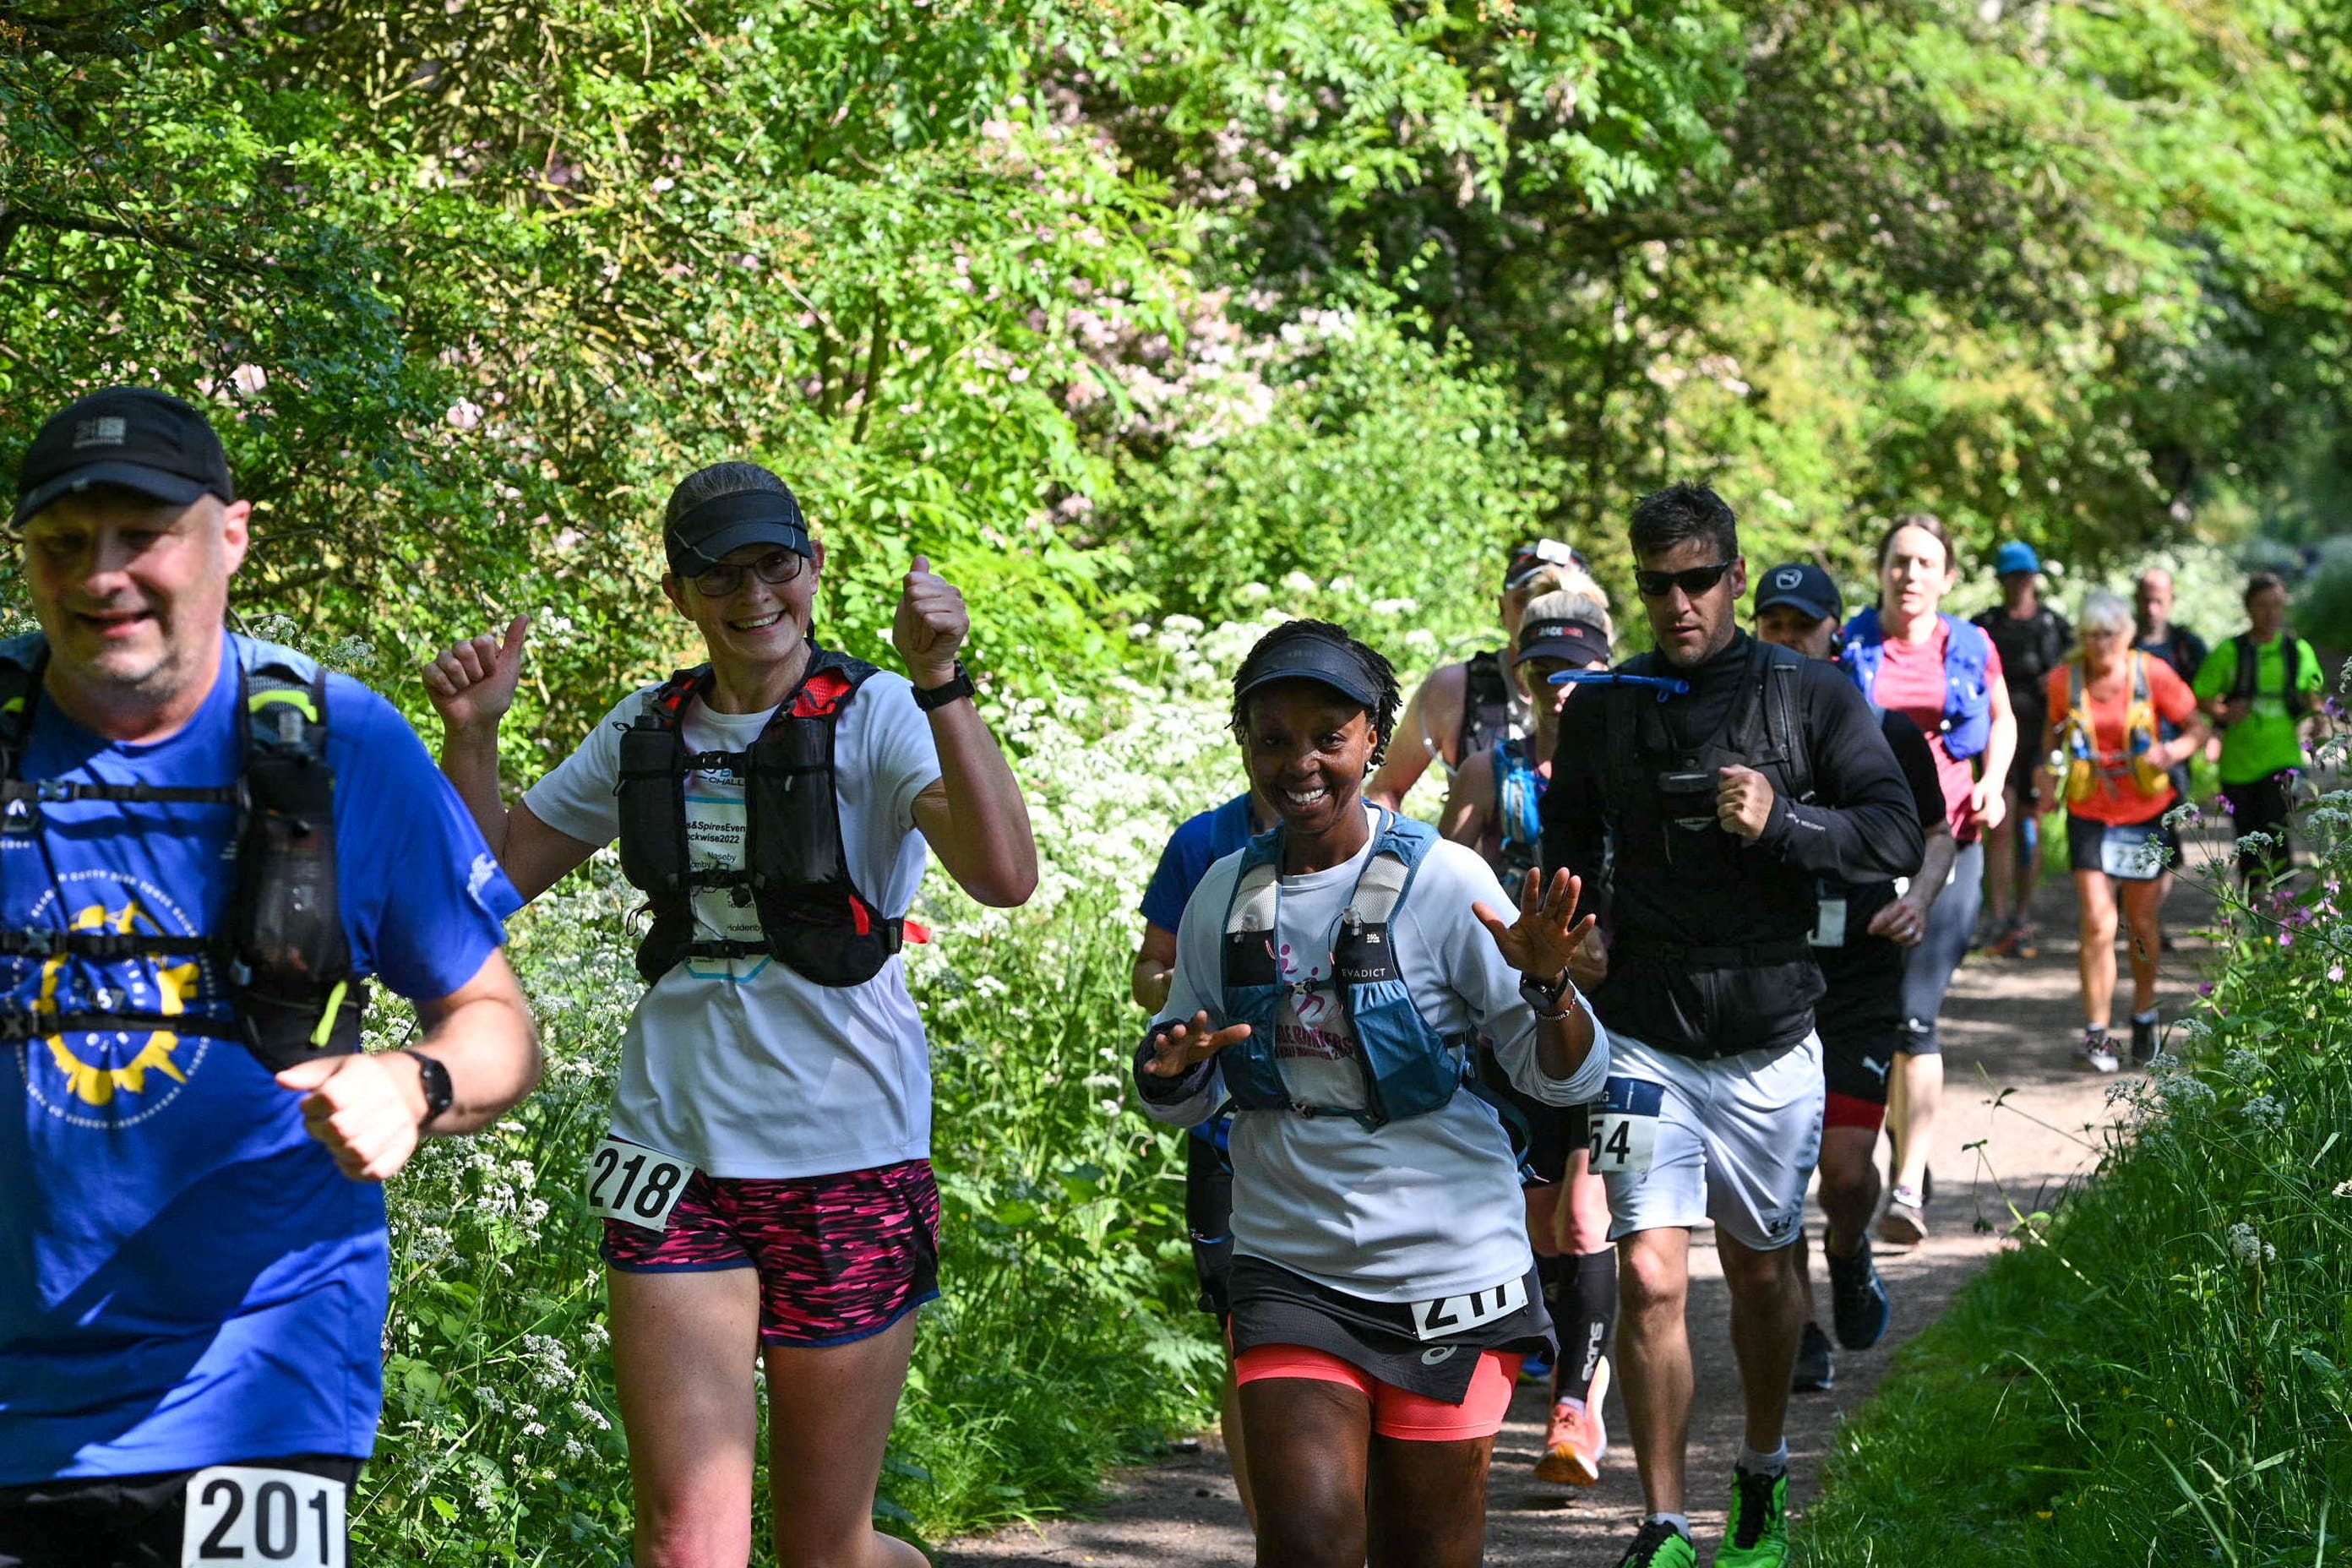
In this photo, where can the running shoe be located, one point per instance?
(2029, 940)
(2143, 1047)
(2004, 941)
(1904, 1222)
(1816, 1363)
(2098, 1051)
(1859, 1303)
(1577, 1437)
(1756, 1531)
(1659, 1546)
(1537, 1368)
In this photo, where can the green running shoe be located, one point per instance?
(1660, 1545)
(1756, 1535)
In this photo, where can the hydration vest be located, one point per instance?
(1518, 822)
(1966, 722)
(811, 917)
(1486, 704)
(1408, 1068)
(2084, 766)
(1762, 733)
(286, 960)
(2242, 681)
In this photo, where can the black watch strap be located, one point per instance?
(929, 698)
(433, 1078)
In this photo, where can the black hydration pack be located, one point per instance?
(811, 917)
(2248, 673)
(1486, 704)
(284, 956)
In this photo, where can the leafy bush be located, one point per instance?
(2162, 1369)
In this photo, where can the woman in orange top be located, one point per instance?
(2104, 749)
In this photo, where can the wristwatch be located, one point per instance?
(934, 697)
(1547, 995)
(433, 1078)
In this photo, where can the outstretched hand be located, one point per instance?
(1546, 936)
(1179, 1047)
(472, 684)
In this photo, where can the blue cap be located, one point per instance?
(2015, 556)
(1803, 585)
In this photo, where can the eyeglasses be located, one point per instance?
(1692, 580)
(775, 569)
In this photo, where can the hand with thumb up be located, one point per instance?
(930, 625)
(472, 684)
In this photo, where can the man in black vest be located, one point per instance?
(1729, 774)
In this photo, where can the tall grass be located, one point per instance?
(2161, 1371)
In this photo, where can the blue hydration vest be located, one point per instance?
(1408, 1068)
(1518, 795)
(1967, 726)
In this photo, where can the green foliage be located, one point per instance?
(2158, 1371)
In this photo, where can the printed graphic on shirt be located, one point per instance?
(716, 824)
(1317, 1027)
(115, 1079)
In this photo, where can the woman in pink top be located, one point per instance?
(1945, 675)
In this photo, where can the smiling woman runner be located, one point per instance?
(2105, 707)
(767, 1183)
(1331, 981)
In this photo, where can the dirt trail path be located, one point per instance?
(2008, 1027)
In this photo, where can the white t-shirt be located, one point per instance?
(1420, 1208)
(740, 1064)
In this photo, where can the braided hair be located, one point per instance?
(1380, 675)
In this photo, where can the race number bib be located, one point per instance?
(1625, 1126)
(1828, 923)
(1459, 1314)
(2132, 854)
(242, 1514)
(634, 1184)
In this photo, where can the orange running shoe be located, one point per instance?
(1576, 1439)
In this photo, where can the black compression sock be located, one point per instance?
(1588, 1318)
(1547, 1271)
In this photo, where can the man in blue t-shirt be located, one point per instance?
(1200, 842)
(192, 1254)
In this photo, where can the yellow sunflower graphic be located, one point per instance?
(94, 1083)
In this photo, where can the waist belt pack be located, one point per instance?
(283, 953)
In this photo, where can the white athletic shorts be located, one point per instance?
(1732, 1139)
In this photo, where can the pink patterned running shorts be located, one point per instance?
(840, 1257)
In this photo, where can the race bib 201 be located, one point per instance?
(245, 1514)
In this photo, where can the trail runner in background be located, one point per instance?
(191, 1146)
(2263, 687)
(766, 1186)
(2155, 634)
(1728, 777)
(2032, 639)
(1465, 709)
(1861, 932)
(2107, 704)
(1493, 806)
(1197, 844)
(1332, 981)
(1945, 675)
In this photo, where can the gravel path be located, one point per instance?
(2020, 1121)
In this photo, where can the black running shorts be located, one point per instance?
(140, 1521)
(1860, 1020)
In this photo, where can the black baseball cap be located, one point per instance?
(1333, 664)
(1803, 586)
(706, 533)
(1580, 643)
(131, 438)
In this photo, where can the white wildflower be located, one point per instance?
(2247, 1246)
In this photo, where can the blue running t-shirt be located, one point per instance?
(185, 1278)
(1199, 843)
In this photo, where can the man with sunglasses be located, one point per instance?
(1468, 709)
(1714, 784)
